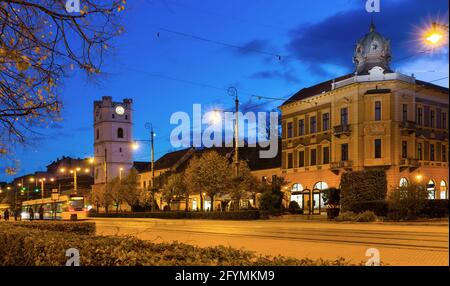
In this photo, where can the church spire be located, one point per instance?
(372, 25)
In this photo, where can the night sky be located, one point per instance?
(164, 68)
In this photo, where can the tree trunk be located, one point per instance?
(186, 209)
(201, 201)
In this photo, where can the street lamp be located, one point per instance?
(42, 186)
(436, 35)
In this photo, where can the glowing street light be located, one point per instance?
(135, 146)
(436, 35)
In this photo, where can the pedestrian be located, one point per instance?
(41, 213)
(31, 213)
(7, 215)
(16, 214)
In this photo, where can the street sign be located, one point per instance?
(54, 191)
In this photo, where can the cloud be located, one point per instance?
(250, 47)
(287, 75)
(332, 41)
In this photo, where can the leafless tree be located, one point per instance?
(40, 42)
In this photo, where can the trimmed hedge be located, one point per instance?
(33, 247)
(436, 209)
(380, 208)
(362, 186)
(234, 215)
(86, 228)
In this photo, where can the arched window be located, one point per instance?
(320, 186)
(296, 194)
(119, 132)
(319, 196)
(404, 182)
(431, 188)
(297, 188)
(444, 190)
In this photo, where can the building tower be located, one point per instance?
(112, 139)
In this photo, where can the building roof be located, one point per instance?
(249, 154)
(326, 86)
(317, 89)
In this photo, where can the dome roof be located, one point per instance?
(371, 51)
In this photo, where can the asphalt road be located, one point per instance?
(398, 244)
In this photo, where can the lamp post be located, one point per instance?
(75, 176)
(42, 187)
(232, 91)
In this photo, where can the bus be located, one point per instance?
(66, 207)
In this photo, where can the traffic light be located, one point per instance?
(36, 190)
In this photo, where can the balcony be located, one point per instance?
(341, 165)
(409, 163)
(341, 130)
(408, 126)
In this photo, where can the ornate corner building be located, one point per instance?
(372, 118)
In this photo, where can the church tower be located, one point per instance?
(112, 139)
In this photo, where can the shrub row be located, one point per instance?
(380, 208)
(234, 215)
(436, 208)
(33, 247)
(86, 228)
(366, 216)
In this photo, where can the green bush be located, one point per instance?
(294, 208)
(407, 202)
(362, 186)
(436, 209)
(234, 215)
(367, 216)
(33, 247)
(380, 208)
(332, 197)
(346, 216)
(86, 228)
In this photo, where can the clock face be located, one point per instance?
(120, 110)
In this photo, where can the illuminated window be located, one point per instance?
(444, 190)
(296, 194)
(320, 186)
(404, 182)
(431, 188)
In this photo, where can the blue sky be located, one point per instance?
(165, 72)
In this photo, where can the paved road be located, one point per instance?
(399, 244)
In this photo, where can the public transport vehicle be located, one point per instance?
(66, 207)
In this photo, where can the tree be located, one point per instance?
(115, 191)
(244, 183)
(40, 43)
(210, 173)
(100, 197)
(174, 188)
(130, 188)
(272, 196)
